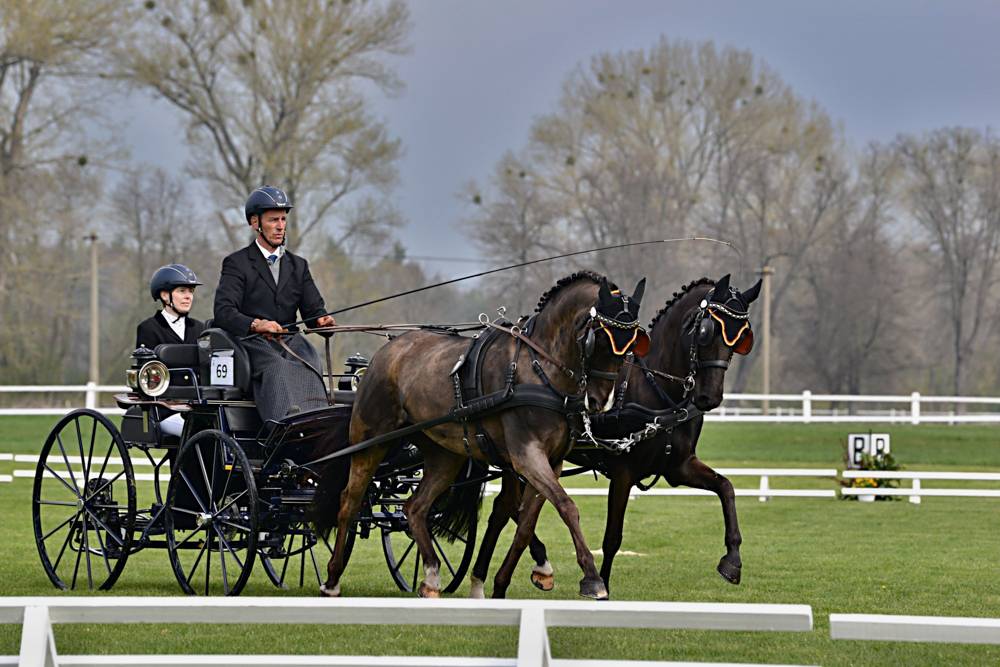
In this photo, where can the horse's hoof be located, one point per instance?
(593, 589)
(325, 592)
(543, 582)
(426, 591)
(729, 572)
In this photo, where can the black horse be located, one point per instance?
(654, 428)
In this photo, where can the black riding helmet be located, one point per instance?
(170, 276)
(266, 198)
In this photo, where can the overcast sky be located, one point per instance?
(480, 71)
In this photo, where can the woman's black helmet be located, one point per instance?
(170, 276)
(266, 198)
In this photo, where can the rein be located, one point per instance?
(515, 331)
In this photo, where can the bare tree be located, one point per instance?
(519, 223)
(679, 140)
(845, 324)
(953, 193)
(272, 93)
(51, 55)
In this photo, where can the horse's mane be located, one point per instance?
(548, 296)
(678, 296)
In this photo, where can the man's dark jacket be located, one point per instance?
(155, 331)
(246, 291)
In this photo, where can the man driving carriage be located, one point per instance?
(261, 289)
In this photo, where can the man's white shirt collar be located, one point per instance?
(267, 253)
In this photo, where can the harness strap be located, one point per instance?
(515, 331)
(660, 393)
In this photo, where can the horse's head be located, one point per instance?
(609, 332)
(605, 325)
(704, 327)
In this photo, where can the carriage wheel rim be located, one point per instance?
(89, 523)
(228, 511)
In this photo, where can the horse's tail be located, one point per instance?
(326, 503)
(459, 506)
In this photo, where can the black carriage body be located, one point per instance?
(234, 483)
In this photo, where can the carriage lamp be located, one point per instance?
(140, 358)
(147, 375)
(356, 378)
(154, 378)
(356, 364)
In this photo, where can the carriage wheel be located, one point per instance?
(403, 557)
(83, 502)
(301, 552)
(211, 516)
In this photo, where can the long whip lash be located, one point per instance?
(517, 266)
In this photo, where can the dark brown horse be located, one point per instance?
(568, 360)
(692, 340)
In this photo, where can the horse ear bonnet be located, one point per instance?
(728, 312)
(750, 295)
(618, 315)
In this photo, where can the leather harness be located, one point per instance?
(472, 404)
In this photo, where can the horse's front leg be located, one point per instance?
(535, 468)
(692, 472)
(618, 493)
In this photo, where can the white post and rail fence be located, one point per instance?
(532, 618)
(802, 408)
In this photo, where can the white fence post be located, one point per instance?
(533, 639)
(807, 407)
(91, 402)
(38, 645)
(915, 407)
(765, 486)
(915, 499)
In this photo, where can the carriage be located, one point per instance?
(229, 492)
(241, 490)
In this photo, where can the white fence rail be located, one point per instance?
(882, 627)
(803, 408)
(763, 492)
(533, 618)
(916, 491)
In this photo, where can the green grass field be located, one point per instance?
(937, 558)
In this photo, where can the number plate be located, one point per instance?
(222, 371)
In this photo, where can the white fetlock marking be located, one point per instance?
(328, 592)
(543, 569)
(478, 590)
(432, 578)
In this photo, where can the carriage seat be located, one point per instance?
(219, 340)
(180, 357)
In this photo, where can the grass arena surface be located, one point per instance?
(937, 558)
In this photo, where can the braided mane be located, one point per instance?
(545, 298)
(678, 296)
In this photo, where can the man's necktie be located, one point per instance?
(271, 259)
